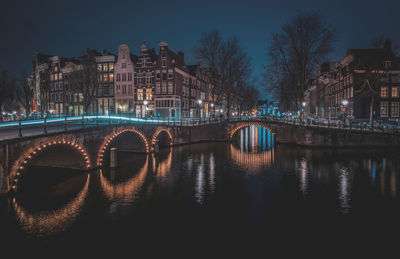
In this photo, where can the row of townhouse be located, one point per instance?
(341, 88)
(148, 84)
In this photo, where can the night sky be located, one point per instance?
(67, 28)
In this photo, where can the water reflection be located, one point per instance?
(51, 221)
(163, 165)
(256, 149)
(200, 181)
(303, 176)
(124, 192)
(344, 189)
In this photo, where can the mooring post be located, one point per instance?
(45, 126)
(19, 128)
(113, 157)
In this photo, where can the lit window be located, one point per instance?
(105, 77)
(111, 67)
(99, 67)
(395, 92)
(105, 67)
(384, 91)
(111, 77)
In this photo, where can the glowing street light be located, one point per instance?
(145, 102)
(304, 104)
(345, 102)
(200, 101)
(212, 105)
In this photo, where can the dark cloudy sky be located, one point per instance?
(67, 28)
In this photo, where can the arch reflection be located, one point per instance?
(125, 191)
(163, 167)
(254, 149)
(52, 221)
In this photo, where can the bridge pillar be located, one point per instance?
(113, 157)
(156, 146)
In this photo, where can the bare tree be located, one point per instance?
(228, 64)
(24, 92)
(209, 52)
(7, 91)
(377, 41)
(89, 81)
(294, 56)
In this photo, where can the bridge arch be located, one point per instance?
(157, 133)
(112, 136)
(247, 124)
(22, 163)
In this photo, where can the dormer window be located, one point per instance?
(387, 64)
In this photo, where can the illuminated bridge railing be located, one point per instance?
(40, 126)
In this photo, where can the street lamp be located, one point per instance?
(212, 105)
(145, 102)
(200, 101)
(304, 104)
(345, 103)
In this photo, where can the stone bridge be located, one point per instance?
(88, 148)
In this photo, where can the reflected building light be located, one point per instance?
(165, 166)
(393, 184)
(251, 162)
(51, 222)
(212, 173)
(303, 176)
(344, 190)
(199, 187)
(382, 182)
(125, 192)
(373, 171)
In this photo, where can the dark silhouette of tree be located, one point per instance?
(228, 64)
(294, 55)
(25, 92)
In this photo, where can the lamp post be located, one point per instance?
(200, 102)
(145, 103)
(302, 112)
(344, 103)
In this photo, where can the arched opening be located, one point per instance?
(51, 157)
(126, 140)
(164, 138)
(252, 138)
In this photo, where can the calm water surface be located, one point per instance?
(279, 200)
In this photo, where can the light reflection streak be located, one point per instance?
(212, 173)
(126, 191)
(303, 176)
(50, 222)
(393, 184)
(344, 190)
(252, 161)
(199, 187)
(164, 167)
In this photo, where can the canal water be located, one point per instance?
(249, 195)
